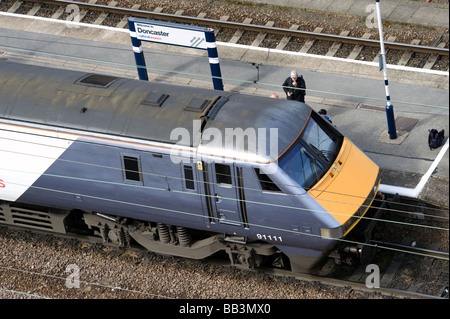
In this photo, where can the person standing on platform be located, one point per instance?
(323, 113)
(295, 87)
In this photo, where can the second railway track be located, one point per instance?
(364, 48)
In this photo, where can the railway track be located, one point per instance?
(341, 45)
(411, 241)
(412, 264)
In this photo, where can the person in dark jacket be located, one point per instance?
(323, 113)
(295, 87)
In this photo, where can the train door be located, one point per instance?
(224, 194)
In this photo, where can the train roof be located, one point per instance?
(141, 109)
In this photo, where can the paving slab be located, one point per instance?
(340, 6)
(404, 13)
(418, 12)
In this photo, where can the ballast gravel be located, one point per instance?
(42, 266)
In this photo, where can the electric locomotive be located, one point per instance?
(179, 170)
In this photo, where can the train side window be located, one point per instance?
(223, 174)
(266, 183)
(131, 168)
(189, 177)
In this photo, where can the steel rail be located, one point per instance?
(390, 292)
(405, 248)
(250, 27)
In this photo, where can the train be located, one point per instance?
(178, 170)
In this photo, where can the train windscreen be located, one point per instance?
(312, 154)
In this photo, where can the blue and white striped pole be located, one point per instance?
(214, 60)
(138, 52)
(389, 107)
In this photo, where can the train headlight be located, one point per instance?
(331, 233)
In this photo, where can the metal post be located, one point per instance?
(214, 60)
(138, 52)
(389, 107)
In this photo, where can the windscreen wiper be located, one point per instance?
(320, 152)
(313, 163)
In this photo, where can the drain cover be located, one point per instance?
(371, 107)
(405, 123)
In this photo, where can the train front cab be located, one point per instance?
(347, 193)
(337, 175)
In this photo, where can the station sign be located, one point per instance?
(173, 34)
(170, 35)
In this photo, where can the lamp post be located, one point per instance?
(389, 107)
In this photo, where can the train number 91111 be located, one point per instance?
(269, 237)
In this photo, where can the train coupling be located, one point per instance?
(357, 254)
(358, 248)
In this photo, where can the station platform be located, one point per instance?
(352, 92)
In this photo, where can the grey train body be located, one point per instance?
(140, 161)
